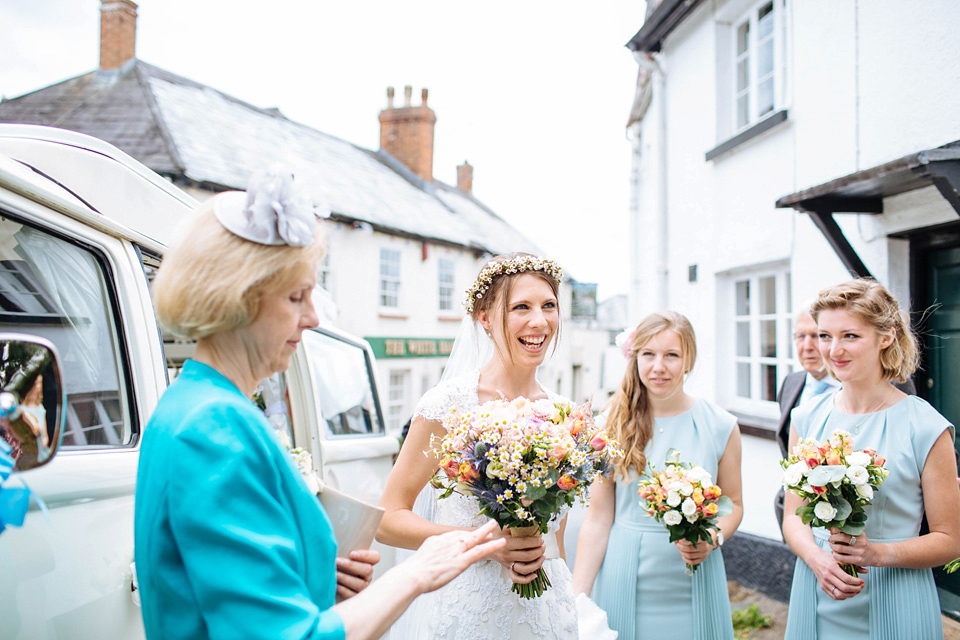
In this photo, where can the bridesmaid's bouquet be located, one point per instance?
(524, 462)
(836, 482)
(684, 499)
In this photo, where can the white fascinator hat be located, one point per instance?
(274, 210)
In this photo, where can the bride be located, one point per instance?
(514, 301)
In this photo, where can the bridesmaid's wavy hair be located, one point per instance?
(870, 301)
(497, 296)
(630, 418)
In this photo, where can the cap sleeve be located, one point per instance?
(926, 425)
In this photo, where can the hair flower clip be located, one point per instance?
(273, 211)
(624, 341)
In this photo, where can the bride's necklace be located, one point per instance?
(856, 427)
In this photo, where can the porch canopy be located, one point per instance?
(864, 192)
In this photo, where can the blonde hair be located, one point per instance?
(872, 303)
(630, 418)
(211, 280)
(497, 295)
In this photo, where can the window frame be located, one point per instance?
(446, 289)
(783, 361)
(395, 405)
(387, 278)
(126, 388)
(778, 70)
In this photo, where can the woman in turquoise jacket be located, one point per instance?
(229, 541)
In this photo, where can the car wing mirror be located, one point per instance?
(32, 400)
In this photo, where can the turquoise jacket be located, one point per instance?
(229, 542)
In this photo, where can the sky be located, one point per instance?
(534, 94)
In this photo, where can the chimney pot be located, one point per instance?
(423, 97)
(465, 177)
(407, 134)
(389, 97)
(118, 33)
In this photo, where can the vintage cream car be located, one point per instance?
(82, 229)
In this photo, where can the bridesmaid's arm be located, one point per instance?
(729, 481)
(799, 538)
(941, 501)
(594, 533)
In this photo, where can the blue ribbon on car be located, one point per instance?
(13, 502)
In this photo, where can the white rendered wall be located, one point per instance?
(867, 83)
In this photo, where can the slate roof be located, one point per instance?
(198, 136)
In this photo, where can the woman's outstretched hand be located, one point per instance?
(442, 558)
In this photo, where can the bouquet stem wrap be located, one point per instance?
(542, 582)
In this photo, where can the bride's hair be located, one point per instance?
(496, 295)
(630, 419)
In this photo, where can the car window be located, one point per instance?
(343, 385)
(58, 289)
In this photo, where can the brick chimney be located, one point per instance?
(118, 33)
(465, 177)
(406, 133)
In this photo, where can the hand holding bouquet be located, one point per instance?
(683, 497)
(836, 482)
(524, 461)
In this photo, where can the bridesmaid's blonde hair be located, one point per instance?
(870, 301)
(630, 419)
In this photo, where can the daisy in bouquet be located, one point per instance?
(683, 497)
(836, 482)
(524, 461)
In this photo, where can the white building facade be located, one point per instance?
(780, 147)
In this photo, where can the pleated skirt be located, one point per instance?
(645, 590)
(895, 604)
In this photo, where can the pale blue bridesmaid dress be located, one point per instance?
(643, 584)
(895, 603)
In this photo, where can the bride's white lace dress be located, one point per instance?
(478, 604)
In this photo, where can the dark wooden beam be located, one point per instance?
(946, 178)
(841, 246)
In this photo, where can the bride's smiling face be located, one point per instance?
(532, 319)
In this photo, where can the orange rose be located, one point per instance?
(567, 482)
(710, 510)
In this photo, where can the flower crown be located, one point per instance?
(519, 264)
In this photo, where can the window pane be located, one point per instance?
(765, 97)
(743, 379)
(342, 376)
(765, 21)
(768, 375)
(445, 284)
(743, 297)
(743, 339)
(743, 37)
(768, 338)
(57, 290)
(768, 294)
(743, 112)
(765, 58)
(743, 77)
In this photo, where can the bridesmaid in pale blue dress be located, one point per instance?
(866, 343)
(641, 580)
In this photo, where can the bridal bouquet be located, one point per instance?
(683, 497)
(524, 462)
(836, 482)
